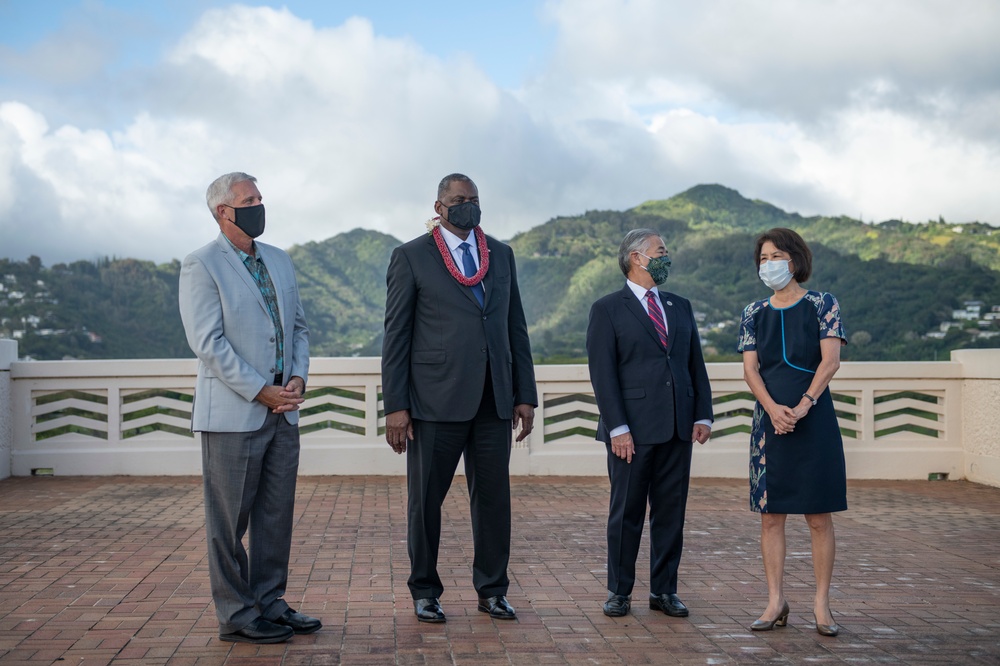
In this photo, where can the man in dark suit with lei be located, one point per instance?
(457, 375)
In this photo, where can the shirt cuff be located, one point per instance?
(620, 430)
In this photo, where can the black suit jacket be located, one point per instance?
(658, 393)
(438, 340)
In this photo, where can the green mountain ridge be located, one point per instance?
(896, 281)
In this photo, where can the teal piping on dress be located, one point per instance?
(784, 354)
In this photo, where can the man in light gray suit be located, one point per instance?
(244, 321)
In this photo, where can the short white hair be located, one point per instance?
(634, 241)
(221, 190)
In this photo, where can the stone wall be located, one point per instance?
(8, 354)
(980, 413)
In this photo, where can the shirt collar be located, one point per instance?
(453, 241)
(243, 255)
(640, 291)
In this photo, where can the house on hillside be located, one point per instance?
(968, 313)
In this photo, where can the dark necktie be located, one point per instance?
(469, 266)
(656, 316)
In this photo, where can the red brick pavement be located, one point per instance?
(112, 570)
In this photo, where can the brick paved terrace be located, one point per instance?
(101, 570)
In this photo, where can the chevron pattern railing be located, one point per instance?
(78, 417)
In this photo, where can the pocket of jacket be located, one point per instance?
(429, 356)
(633, 393)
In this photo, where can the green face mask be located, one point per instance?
(658, 268)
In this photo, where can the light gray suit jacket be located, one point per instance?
(230, 331)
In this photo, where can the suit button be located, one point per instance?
(483, 350)
(271, 371)
(668, 384)
(484, 317)
(272, 339)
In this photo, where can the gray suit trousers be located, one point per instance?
(249, 480)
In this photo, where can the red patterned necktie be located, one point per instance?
(656, 316)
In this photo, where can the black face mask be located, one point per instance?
(250, 220)
(465, 216)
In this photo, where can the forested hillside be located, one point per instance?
(896, 282)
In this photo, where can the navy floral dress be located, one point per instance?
(802, 471)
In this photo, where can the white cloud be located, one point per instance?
(783, 55)
(836, 108)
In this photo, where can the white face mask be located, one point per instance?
(775, 274)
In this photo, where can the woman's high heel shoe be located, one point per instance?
(826, 629)
(768, 625)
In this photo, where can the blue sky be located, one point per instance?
(115, 115)
(505, 38)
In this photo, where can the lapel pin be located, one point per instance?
(670, 302)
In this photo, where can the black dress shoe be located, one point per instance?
(259, 631)
(617, 605)
(428, 610)
(670, 604)
(300, 624)
(497, 607)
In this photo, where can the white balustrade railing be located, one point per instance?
(898, 420)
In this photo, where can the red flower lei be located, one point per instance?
(449, 260)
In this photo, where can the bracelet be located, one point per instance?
(811, 399)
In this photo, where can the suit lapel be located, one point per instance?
(633, 305)
(233, 258)
(668, 309)
(439, 261)
(487, 281)
(276, 279)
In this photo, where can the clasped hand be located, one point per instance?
(283, 398)
(784, 418)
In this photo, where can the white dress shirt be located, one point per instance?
(640, 293)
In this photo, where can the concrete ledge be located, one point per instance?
(982, 469)
(110, 461)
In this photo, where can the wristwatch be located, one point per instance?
(811, 399)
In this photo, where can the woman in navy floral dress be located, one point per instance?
(791, 349)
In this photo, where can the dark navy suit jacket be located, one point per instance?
(659, 393)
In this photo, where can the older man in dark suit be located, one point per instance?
(456, 376)
(654, 398)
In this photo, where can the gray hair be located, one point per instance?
(634, 241)
(448, 180)
(221, 190)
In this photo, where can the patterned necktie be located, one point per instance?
(469, 267)
(656, 316)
